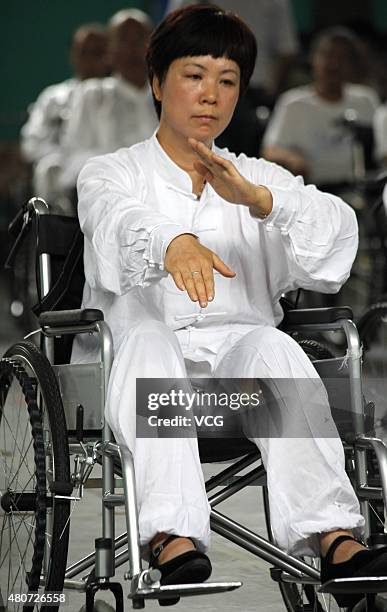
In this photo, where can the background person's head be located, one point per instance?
(88, 53)
(201, 30)
(336, 54)
(129, 31)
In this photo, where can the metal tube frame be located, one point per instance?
(222, 477)
(261, 547)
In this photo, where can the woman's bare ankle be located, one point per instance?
(345, 550)
(174, 548)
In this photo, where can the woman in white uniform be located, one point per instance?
(188, 249)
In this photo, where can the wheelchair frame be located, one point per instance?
(144, 583)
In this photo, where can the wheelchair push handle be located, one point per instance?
(20, 223)
(35, 204)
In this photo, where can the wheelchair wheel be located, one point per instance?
(34, 457)
(372, 328)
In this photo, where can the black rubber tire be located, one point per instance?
(26, 357)
(315, 350)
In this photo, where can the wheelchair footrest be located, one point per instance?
(184, 590)
(355, 585)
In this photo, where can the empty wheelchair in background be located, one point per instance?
(53, 435)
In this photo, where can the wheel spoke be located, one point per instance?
(14, 536)
(22, 456)
(24, 489)
(20, 558)
(21, 555)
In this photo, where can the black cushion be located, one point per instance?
(61, 318)
(310, 316)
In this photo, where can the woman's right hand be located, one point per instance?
(192, 267)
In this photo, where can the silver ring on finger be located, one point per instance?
(195, 272)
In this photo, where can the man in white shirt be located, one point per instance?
(41, 136)
(306, 132)
(116, 111)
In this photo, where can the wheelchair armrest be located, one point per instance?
(314, 316)
(61, 318)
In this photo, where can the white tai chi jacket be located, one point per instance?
(133, 202)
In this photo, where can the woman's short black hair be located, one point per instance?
(201, 30)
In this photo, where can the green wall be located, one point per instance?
(380, 15)
(34, 42)
(304, 11)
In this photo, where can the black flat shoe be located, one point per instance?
(369, 562)
(188, 568)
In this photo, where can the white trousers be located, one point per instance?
(309, 491)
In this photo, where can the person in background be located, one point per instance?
(116, 111)
(380, 135)
(273, 26)
(41, 136)
(380, 138)
(309, 131)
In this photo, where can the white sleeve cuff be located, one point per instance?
(284, 211)
(160, 238)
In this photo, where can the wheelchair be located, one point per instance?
(53, 435)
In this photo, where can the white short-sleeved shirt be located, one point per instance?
(306, 124)
(133, 202)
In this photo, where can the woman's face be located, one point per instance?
(198, 97)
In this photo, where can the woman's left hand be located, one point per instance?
(228, 183)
